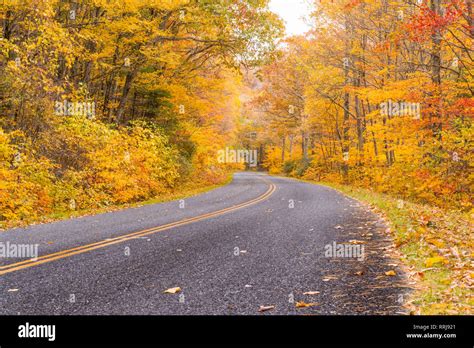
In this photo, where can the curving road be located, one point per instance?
(259, 241)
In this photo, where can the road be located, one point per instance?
(259, 241)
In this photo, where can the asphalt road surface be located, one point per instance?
(259, 241)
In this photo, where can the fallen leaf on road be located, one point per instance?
(355, 241)
(328, 278)
(265, 308)
(172, 290)
(359, 273)
(303, 304)
(311, 293)
(390, 273)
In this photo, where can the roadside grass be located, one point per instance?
(436, 245)
(185, 190)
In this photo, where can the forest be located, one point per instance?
(379, 95)
(109, 102)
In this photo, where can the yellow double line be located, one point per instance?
(104, 243)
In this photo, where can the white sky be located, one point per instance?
(293, 13)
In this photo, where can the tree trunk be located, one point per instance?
(345, 126)
(291, 146)
(283, 149)
(304, 145)
(124, 97)
(437, 123)
(470, 18)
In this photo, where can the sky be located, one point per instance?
(292, 12)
